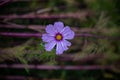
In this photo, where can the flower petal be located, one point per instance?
(51, 29)
(49, 46)
(67, 43)
(68, 33)
(59, 49)
(59, 26)
(47, 38)
(62, 46)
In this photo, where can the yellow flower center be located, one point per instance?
(58, 37)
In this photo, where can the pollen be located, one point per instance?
(58, 37)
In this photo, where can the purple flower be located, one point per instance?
(57, 35)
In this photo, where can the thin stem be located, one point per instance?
(24, 35)
(39, 27)
(47, 67)
(4, 2)
(89, 57)
(39, 35)
(89, 35)
(80, 15)
(11, 77)
(16, 26)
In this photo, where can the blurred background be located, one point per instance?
(93, 55)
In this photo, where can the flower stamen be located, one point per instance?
(58, 37)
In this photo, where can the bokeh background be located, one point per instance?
(95, 50)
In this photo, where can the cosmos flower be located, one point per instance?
(57, 36)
